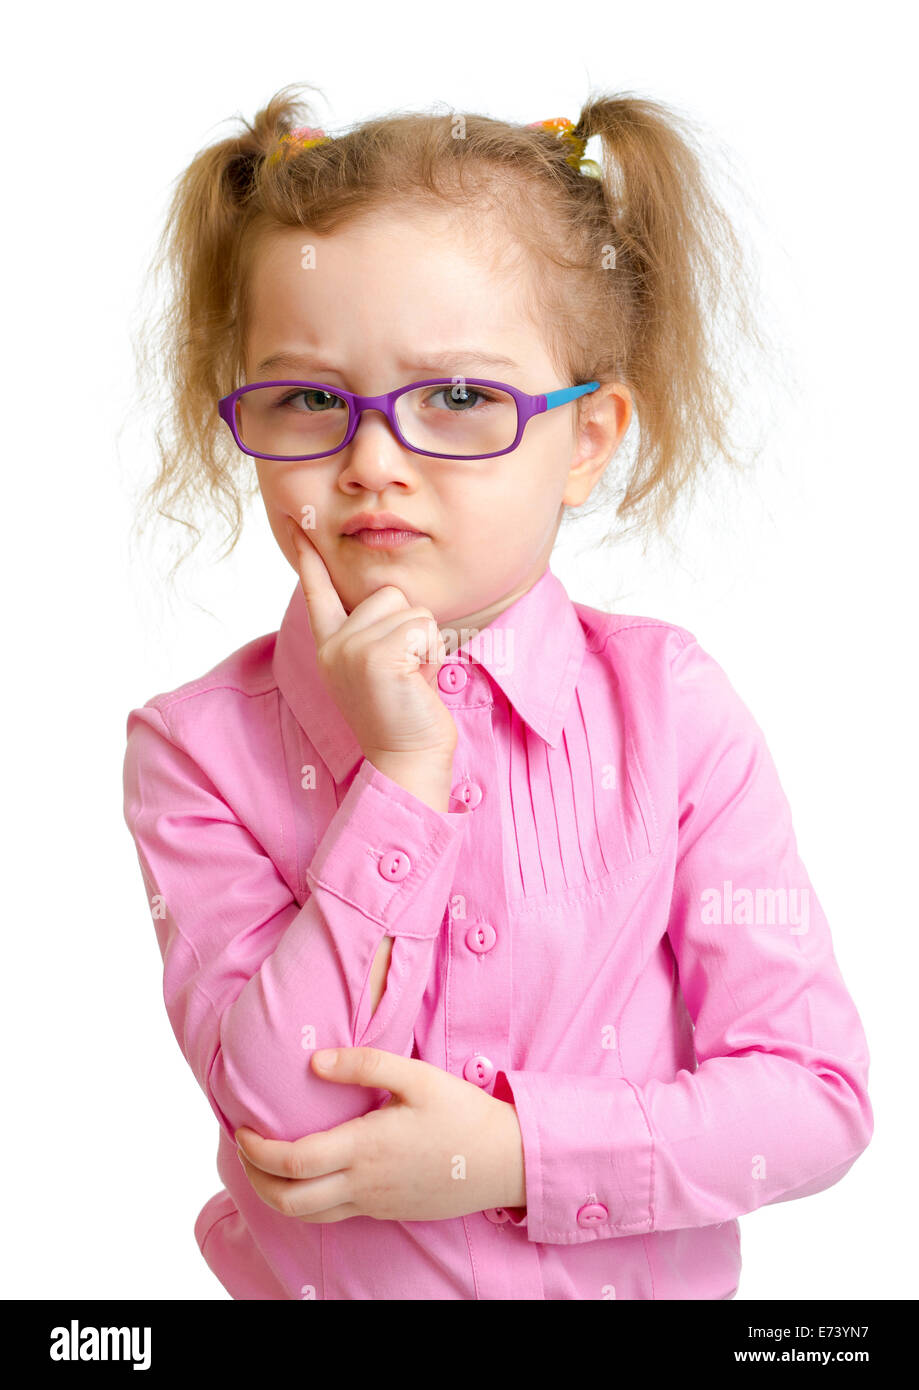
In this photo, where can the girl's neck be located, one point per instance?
(458, 630)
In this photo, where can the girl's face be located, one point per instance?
(384, 299)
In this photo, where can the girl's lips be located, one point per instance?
(385, 539)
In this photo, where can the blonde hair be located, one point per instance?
(637, 277)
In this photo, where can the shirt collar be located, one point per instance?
(533, 650)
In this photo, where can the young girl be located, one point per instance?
(483, 924)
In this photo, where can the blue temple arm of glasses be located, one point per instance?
(569, 393)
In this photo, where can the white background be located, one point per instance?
(800, 581)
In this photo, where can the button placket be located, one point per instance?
(480, 937)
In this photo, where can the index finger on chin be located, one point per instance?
(324, 607)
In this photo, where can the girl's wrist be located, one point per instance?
(429, 776)
(510, 1163)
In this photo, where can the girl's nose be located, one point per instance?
(375, 454)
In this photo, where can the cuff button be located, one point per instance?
(395, 865)
(594, 1214)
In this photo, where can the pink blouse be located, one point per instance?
(611, 929)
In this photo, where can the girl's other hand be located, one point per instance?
(439, 1147)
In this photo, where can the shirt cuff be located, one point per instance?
(587, 1154)
(385, 849)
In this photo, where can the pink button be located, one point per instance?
(479, 1070)
(495, 1215)
(395, 865)
(593, 1214)
(480, 937)
(451, 677)
(470, 792)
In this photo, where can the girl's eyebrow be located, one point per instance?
(434, 362)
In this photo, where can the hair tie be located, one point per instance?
(296, 140)
(563, 129)
(304, 137)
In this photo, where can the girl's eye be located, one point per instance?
(316, 401)
(459, 398)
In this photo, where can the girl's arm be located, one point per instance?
(253, 982)
(778, 1106)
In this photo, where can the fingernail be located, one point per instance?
(326, 1058)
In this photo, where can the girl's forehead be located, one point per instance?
(414, 270)
(442, 230)
(417, 271)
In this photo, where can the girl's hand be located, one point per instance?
(439, 1147)
(380, 662)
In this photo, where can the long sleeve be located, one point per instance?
(777, 1107)
(254, 982)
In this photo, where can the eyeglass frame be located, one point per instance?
(528, 406)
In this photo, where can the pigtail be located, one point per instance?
(684, 295)
(191, 352)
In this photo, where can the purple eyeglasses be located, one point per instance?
(526, 407)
